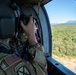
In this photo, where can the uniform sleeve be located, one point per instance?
(38, 57)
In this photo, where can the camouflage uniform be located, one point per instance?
(14, 65)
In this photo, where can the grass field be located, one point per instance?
(64, 40)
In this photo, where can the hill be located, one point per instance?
(71, 22)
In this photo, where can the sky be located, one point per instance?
(61, 11)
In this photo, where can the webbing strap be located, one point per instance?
(39, 4)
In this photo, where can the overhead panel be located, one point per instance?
(33, 2)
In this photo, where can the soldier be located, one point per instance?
(14, 65)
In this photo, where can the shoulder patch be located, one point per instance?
(10, 60)
(23, 71)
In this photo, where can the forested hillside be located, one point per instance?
(64, 40)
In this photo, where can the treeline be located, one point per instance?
(64, 40)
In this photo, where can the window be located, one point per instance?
(62, 16)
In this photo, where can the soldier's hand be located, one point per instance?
(30, 30)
